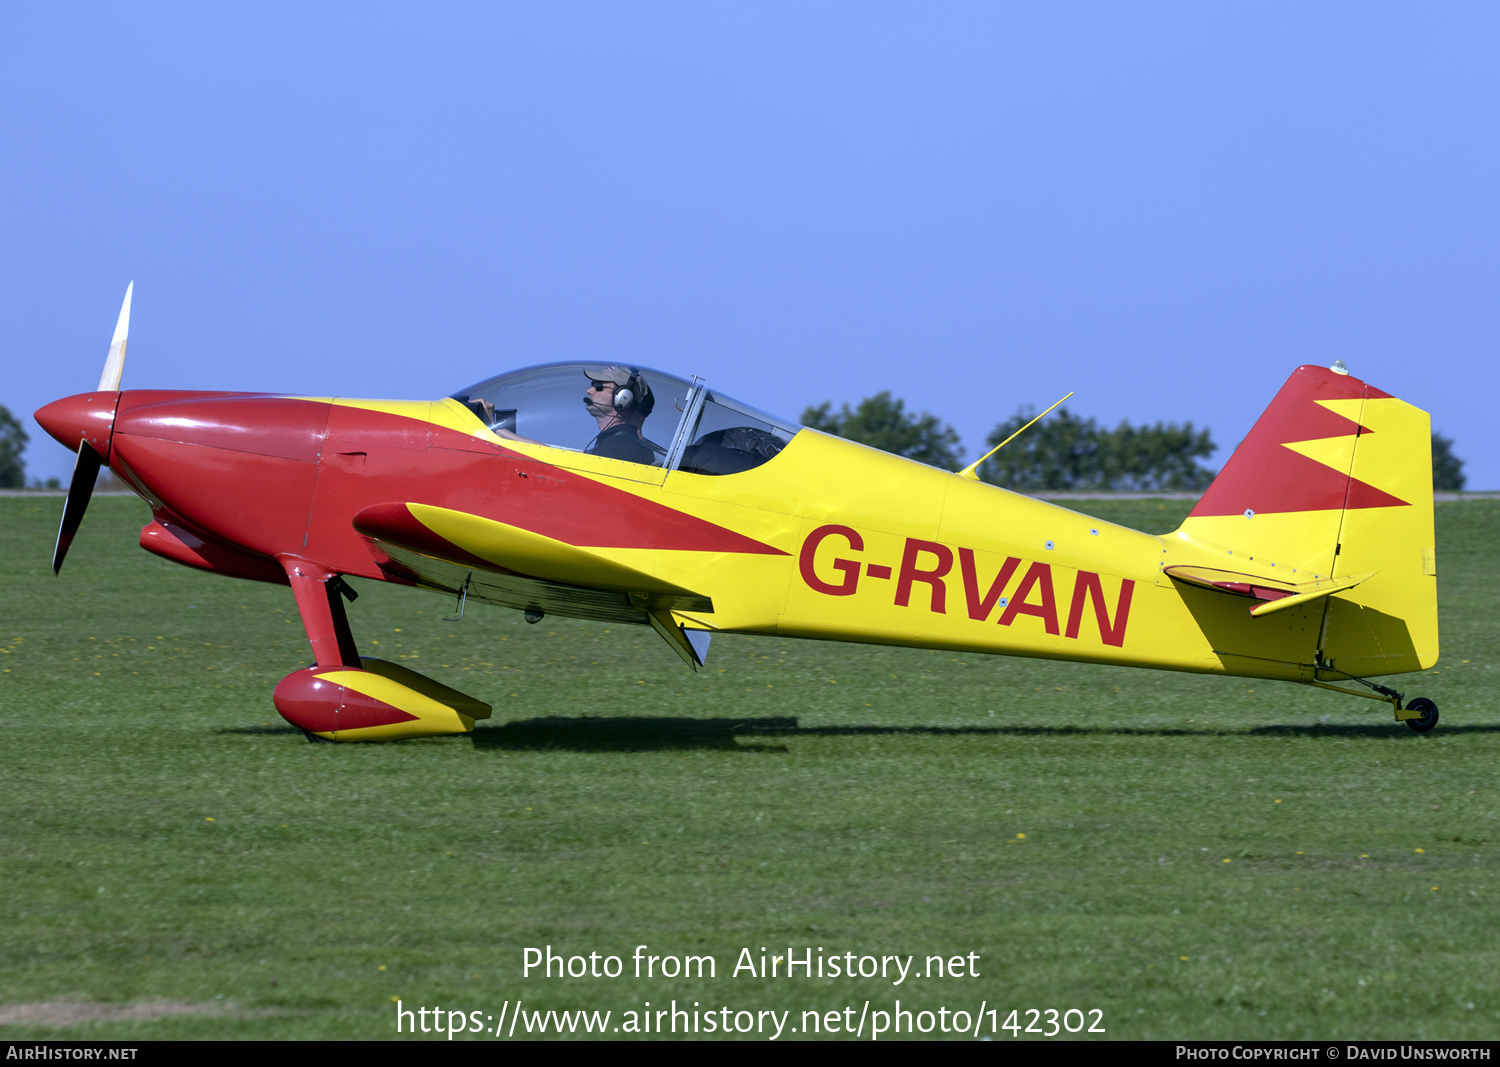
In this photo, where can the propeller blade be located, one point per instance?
(80, 489)
(86, 466)
(114, 365)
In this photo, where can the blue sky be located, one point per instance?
(1165, 207)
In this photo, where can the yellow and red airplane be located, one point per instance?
(662, 502)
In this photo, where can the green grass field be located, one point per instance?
(1201, 857)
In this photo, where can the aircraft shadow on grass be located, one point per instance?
(647, 734)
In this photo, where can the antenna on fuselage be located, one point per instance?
(971, 472)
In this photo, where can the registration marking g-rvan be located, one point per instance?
(926, 569)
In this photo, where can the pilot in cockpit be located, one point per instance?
(620, 400)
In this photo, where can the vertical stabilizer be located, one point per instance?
(1334, 480)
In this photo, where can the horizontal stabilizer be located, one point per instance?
(1273, 595)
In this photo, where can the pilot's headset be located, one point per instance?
(635, 395)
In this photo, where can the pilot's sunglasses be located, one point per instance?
(600, 386)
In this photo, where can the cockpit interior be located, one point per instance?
(688, 427)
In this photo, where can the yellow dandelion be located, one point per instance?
(1434, 889)
(1020, 837)
(1364, 855)
(1228, 860)
(209, 818)
(1423, 850)
(1182, 958)
(382, 967)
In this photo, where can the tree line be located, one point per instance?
(1063, 451)
(12, 442)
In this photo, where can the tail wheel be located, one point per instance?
(1428, 717)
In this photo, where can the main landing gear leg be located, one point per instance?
(321, 605)
(348, 697)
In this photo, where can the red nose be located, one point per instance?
(86, 417)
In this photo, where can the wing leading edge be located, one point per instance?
(505, 565)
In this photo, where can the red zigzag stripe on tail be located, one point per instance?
(1265, 477)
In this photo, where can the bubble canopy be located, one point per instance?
(668, 422)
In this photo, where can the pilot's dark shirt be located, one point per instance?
(622, 442)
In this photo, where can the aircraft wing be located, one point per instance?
(497, 563)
